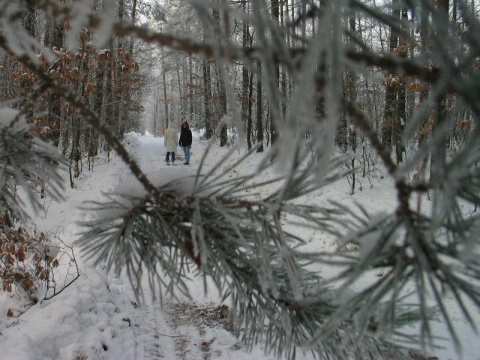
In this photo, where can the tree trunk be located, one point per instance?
(55, 121)
(351, 83)
(134, 12)
(29, 20)
(97, 108)
(180, 92)
(223, 111)
(165, 99)
(391, 89)
(190, 111)
(249, 111)
(274, 102)
(207, 99)
(222, 92)
(259, 108)
(245, 100)
(118, 118)
(401, 117)
(109, 97)
(156, 110)
(439, 153)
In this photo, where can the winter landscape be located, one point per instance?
(329, 209)
(98, 317)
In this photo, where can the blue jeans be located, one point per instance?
(167, 158)
(186, 151)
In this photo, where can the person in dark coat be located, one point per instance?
(186, 141)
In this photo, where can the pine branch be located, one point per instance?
(241, 245)
(28, 163)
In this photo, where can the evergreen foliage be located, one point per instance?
(26, 162)
(218, 228)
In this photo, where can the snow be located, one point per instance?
(98, 316)
(8, 118)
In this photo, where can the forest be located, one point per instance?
(345, 89)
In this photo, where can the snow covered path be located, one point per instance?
(98, 317)
(185, 329)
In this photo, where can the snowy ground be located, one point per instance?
(98, 317)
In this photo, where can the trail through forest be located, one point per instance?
(99, 316)
(181, 329)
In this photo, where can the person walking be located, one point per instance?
(186, 141)
(170, 139)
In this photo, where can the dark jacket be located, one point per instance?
(185, 137)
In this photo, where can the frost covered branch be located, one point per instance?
(253, 260)
(245, 245)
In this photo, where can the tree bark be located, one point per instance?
(439, 155)
(259, 108)
(245, 100)
(391, 89)
(273, 114)
(401, 116)
(207, 98)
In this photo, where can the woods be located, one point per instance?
(337, 90)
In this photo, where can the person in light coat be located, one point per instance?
(170, 140)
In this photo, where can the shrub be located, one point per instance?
(30, 262)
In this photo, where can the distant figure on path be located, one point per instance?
(170, 141)
(186, 141)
